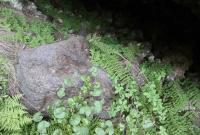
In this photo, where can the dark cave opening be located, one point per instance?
(170, 27)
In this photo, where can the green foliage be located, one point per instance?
(77, 117)
(73, 20)
(179, 101)
(152, 108)
(157, 107)
(33, 33)
(13, 115)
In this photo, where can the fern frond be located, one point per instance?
(13, 115)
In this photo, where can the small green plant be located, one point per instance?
(76, 115)
(33, 33)
(13, 116)
(142, 109)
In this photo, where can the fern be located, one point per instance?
(13, 115)
(175, 99)
(157, 107)
(152, 108)
(126, 90)
(30, 129)
(32, 33)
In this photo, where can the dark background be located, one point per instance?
(162, 22)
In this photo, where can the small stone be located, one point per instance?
(60, 21)
(17, 4)
(151, 58)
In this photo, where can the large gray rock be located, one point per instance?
(40, 72)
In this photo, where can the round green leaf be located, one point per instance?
(57, 132)
(121, 127)
(81, 131)
(85, 121)
(109, 123)
(110, 130)
(67, 81)
(42, 126)
(61, 93)
(59, 113)
(37, 117)
(85, 110)
(98, 105)
(99, 131)
(96, 92)
(147, 124)
(71, 102)
(75, 120)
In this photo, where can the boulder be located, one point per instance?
(41, 71)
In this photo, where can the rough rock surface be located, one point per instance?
(41, 72)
